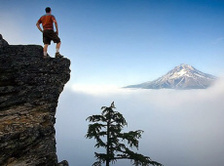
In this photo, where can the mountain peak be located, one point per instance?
(185, 66)
(183, 76)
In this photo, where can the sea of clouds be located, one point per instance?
(181, 127)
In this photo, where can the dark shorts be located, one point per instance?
(49, 35)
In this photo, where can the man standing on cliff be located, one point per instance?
(47, 21)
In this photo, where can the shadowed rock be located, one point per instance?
(3, 43)
(29, 90)
(63, 163)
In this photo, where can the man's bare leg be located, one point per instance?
(57, 54)
(45, 50)
(58, 45)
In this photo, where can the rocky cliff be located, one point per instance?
(29, 90)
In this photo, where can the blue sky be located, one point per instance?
(123, 42)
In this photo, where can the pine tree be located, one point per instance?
(106, 129)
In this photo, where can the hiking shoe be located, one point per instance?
(58, 55)
(47, 56)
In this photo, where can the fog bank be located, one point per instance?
(181, 128)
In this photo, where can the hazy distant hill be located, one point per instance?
(181, 77)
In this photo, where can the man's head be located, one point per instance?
(48, 9)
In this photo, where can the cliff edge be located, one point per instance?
(29, 90)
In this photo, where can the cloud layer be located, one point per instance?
(180, 127)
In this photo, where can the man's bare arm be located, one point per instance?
(38, 26)
(56, 25)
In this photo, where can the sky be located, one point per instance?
(115, 43)
(124, 42)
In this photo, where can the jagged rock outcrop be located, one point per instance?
(29, 90)
(63, 163)
(3, 42)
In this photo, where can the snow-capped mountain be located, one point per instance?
(181, 77)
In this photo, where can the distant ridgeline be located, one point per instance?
(29, 90)
(181, 77)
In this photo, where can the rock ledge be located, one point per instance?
(29, 90)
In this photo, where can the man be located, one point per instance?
(47, 22)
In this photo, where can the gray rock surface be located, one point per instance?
(63, 163)
(29, 90)
(3, 42)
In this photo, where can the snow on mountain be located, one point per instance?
(181, 77)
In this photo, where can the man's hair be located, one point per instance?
(48, 9)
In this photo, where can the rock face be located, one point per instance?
(3, 43)
(29, 90)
